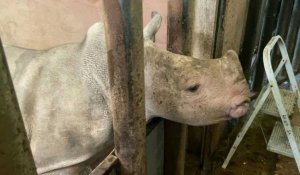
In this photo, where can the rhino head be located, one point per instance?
(193, 91)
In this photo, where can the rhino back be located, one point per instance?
(62, 93)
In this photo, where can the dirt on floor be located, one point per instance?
(251, 156)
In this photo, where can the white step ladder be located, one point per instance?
(276, 102)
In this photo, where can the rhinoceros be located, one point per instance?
(64, 96)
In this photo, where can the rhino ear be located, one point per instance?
(152, 27)
(232, 55)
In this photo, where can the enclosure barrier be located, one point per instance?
(268, 18)
(175, 144)
(125, 50)
(107, 165)
(15, 153)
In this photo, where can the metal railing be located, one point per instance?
(125, 48)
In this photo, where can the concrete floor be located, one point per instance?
(251, 157)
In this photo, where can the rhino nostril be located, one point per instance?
(240, 109)
(245, 102)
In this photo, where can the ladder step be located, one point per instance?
(279, 143)
(289, 100)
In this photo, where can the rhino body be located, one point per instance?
(64, 96)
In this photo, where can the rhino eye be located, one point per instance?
(193, 88)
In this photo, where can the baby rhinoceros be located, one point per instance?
(64, 96)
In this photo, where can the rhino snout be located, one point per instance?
(239, 107)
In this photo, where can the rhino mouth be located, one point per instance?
(240, 109)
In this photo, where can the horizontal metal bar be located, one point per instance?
(107, 165)
(111, 161)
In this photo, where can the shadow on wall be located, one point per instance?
(44, 24)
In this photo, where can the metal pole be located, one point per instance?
(283, 20)
(252, 35)
(296, 56)
(268, 25)
(15, 153)
(126, 69)
(175, 144)
(293, 28)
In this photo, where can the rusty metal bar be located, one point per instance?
(175, 144)
(126, 70)
(107, 165)
(174, 24)
(15, 153)
(188, 18)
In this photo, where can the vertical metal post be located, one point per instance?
(284, 17)
(256, 14)
(175, 144)
(268, 26)
(174, 26)
(15, 153)
(296, 57)
(126, 69)
(283, 20)
(229, 26)
(293, 28)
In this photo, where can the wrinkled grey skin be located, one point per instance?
(64, 96)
